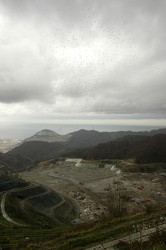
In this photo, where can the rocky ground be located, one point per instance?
(88, 183)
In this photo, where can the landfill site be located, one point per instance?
(91, 184)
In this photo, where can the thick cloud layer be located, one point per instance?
(82, 60)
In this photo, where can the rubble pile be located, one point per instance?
(89, 210)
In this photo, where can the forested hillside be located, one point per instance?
(141, 149)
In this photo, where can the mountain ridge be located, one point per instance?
(141, 149)
(36, 150)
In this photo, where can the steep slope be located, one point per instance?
(13, 163)
(154, 150)
(39, 150)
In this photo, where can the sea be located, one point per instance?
(23, 131)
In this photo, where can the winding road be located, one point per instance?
(49, 210)
(5, 215)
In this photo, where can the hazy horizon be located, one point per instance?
(24, 132)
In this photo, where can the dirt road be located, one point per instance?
(5, 215)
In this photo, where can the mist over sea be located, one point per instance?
(24, 131)
(63, 129)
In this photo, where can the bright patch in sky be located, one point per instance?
(86, 62)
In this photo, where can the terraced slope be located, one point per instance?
(25, 203)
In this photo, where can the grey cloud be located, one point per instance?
(144, 96)
(123, 74)
(19, 93)
(20, 84)
(41, 11)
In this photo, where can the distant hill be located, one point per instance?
(88, 138)
(84, 138)
(47, 135)
(47, 144)
(79, 139)
(143, 149)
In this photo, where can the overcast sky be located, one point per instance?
(82, 62)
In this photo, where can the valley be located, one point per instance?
(80, 190)
(89, 184)
(83, 125)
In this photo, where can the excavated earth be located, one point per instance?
(88, 184)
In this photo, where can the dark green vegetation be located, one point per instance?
(143, 147)
(84, 138)
(109, 143)
(74, 237)
(14, 163)
(39, 150)
(139, 149)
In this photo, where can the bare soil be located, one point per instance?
(88, 184)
